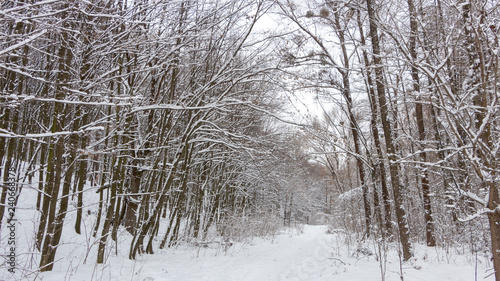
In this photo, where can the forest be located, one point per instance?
(177, 121)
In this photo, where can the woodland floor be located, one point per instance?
(306, 254)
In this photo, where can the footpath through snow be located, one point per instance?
(311, 255)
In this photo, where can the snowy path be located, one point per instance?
(284, 258)
(312, 255)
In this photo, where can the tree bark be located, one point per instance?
(402, 222)
(346, 92)
(54, 225)
(376, 137)
(424, 178)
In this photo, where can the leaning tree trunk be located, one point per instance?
(9, 120)
(376, 137)
(424, 178)
(51, 237)
(346, 92)
(110, 208)
(401, 216)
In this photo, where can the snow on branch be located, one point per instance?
(24, 7)
(348, 195)
(477, 214)
(182, 107)
(7, 134)
(472, 196)
(33, 98)
(22, 43)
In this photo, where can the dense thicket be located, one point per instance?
(162, 117)
(149, 115)
(416, 115)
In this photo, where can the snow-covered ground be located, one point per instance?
(302, 253)
(310, 254)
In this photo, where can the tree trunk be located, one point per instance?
(494, 221)
(54, 225)
(110, 208)
(424, 178)
(346, 92)
(379, 162)
(404, 234)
